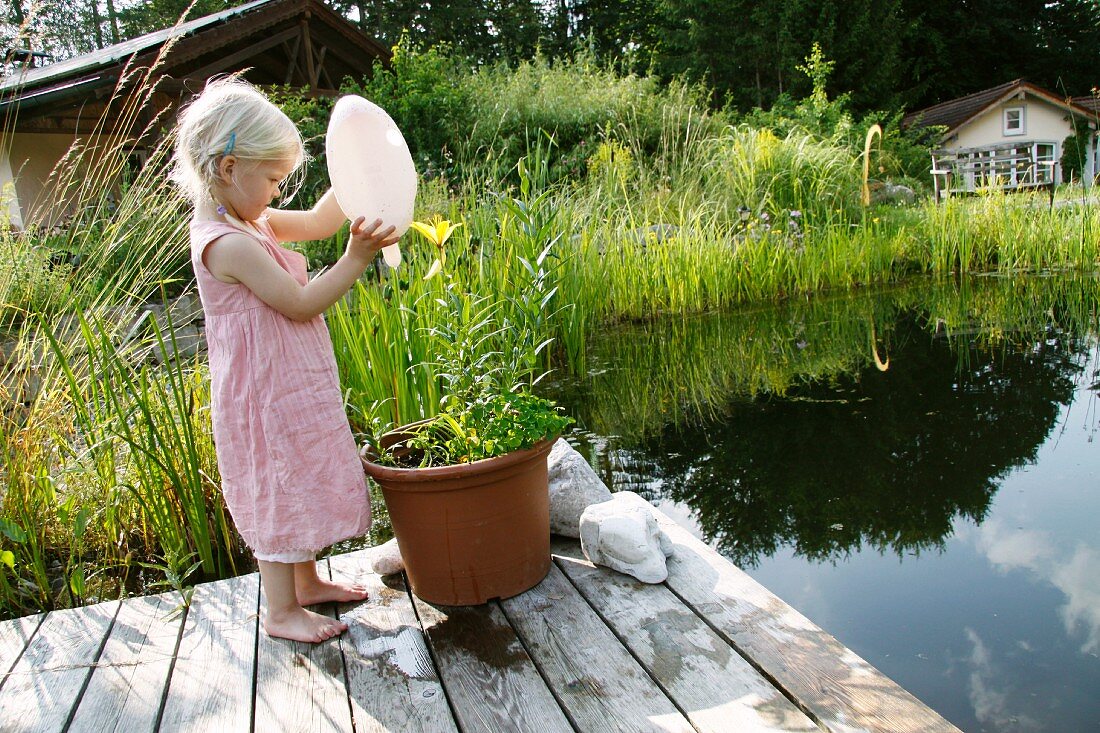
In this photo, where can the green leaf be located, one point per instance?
(76, 581)
(8, 558)
(82, 516)
(13, 531)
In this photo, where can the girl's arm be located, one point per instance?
(239, 258)
(320, 222)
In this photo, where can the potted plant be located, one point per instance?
(466, 490)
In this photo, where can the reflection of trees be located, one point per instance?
(883, 458)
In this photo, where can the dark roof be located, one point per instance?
(955, 113)
(1091, 103)
(33, 78)
(297, 42)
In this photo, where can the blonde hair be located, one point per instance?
(231, 116)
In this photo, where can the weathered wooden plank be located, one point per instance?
(391, 681)
(14, 637)
(211, 684)
(126, 689)
(301, 687)
(701, 672)
(601, 687)
(45, 684)
(840, 690)
(490, 680)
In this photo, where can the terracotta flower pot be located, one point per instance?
(472, 532)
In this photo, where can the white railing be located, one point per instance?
(1005, 166)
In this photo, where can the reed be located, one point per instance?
(998, 232)
(649, 377)
(109, 465)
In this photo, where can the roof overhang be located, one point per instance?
(302, 43)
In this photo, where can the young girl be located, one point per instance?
(291, 474)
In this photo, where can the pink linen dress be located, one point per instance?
(290, 470)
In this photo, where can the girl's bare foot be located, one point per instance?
(302, 625)
(316, 590)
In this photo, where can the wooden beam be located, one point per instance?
(292, 56)
(256, 48)
(320, 66)
(308, 49)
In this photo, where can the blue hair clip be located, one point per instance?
(231, 144)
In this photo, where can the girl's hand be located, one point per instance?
(368, 239)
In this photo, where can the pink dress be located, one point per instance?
(290, 470)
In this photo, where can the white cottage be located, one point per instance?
(1008, 137)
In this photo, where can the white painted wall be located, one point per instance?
(30, 160)
(1043, 122)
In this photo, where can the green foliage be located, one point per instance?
(153, 15)
(32, 279)
(485, 357)
(108, 461)
(1075, 147)
(428, 93)
(147, 432)
(483, 31)
(902, 154)
(888, 53)
(311, 114)
(492, 425)
(474, 125)
(660, 206)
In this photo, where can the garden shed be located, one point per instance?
(1009, 136)
(302, 43)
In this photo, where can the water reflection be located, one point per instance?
(914, 470)
(1047, 551)
(781, 427)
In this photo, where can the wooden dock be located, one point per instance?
(588, 649)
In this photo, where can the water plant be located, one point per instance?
(486, 352)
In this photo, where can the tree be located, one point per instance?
(954, 48)
(154, 15)
(624, 33)
(482, 30)
(749, 50)
(62, 29)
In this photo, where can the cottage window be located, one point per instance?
(1014, 121)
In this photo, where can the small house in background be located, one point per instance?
(302, 43)
(1008, 137)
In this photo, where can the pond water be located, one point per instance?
(915, 470)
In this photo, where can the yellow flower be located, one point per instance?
(438, 231)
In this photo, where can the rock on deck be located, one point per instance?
(588, 649)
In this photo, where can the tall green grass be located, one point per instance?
(648, 377)
(109, 470)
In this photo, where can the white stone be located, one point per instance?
(573, 486)
(623, 534)
(385, 559)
